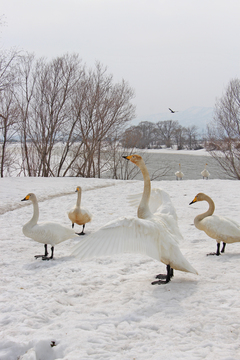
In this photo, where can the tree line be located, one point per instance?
(70, 120)
(148, 135)
(61, 113)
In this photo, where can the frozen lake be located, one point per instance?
(191, 165)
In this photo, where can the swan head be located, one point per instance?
(29, 196)
(78, 189)
(198, 197)
(135, 159)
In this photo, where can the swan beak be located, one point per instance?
(127, 157)
(192, 202)
(26, 198)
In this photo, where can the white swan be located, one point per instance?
(79, 215)
(205, 173)
(217, 227)
(46, 232)
(179, 174)
(149, 234)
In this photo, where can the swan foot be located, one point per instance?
(218, 250)
(45, 255)
(164, 279)
(82, 233)
(161, 276)
(160, 282)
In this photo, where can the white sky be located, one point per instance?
(173, 53)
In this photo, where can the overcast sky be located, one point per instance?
(173, 53)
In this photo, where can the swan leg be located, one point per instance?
(72, 225)
(46, 253)
(223, 247)
(82, 233)
(218, 250)
(166, 277)
(49, 257)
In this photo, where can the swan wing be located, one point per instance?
(221, 226)
(162, 207)
(48, 232)
(159, 202)
(205, 173)
(167, 213)
(130, 235)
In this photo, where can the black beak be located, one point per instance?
(23, 199)
(192, 202)
(125, 157)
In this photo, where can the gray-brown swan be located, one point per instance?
(79, 214)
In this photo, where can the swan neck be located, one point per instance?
(143, 209)
(79, 198)
(209, 212)
(35, 216)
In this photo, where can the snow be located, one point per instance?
(106, 308)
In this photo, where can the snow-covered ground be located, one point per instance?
(106, 308)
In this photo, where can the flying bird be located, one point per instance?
(172, 111)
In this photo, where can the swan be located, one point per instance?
(217, 227)
(78, 214)
(149, 233)
(179, 174)
(46, 232)
(205, 173)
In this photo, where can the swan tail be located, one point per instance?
(178, 261)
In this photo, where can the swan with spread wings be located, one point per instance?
(155, 234)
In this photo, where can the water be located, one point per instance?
(191, 166)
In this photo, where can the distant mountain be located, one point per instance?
(199, 116)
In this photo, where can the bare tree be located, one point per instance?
(130, 137)
(191, 136)
(8, 109)
(8, 126)
(224, 130)
(165, 131)
(179, 136)
(106, 109)
(45, 102)
(8, 62)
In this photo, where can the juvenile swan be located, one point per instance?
(205, 173)
(78, 214)
(217, 227)
(179, 174)
(46, 232)
(149, 234)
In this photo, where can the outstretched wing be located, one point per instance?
(125, 235)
